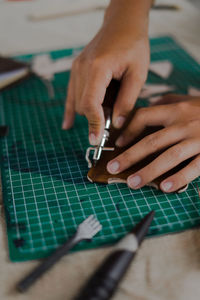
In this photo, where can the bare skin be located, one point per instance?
(120, 50)
(181, 122)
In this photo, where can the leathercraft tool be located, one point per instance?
(85, 231)
(110, 97)
(103, 283)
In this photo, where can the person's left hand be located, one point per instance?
(181, 133)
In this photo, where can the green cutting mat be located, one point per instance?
(45, 189)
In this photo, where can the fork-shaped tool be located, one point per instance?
(85, 231)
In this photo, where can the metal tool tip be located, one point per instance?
(141, 229)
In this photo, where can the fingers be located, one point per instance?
(91, 104)
(169, 99)
(96, 123)
(173, 98)
(129, 90)
(69, 114)
(163, 163)
(148, 145)
(183, 177)
(86, 99)
(147, 116)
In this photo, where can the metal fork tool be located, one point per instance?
(85, 231)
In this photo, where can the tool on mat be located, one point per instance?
(45, 68)
(101, 146)
(39, 161)
(110, 97)
(85, 231)
(49, 86)
(12, 71)
(41, 67)
(103, 283)
(98, 173)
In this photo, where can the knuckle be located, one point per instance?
(87, 105)
(152, 142)
(177, 153)
(96, 65)
(94, 124)
(93, 116)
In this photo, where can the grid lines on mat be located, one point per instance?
(45, 188)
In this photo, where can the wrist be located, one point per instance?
(130, 15)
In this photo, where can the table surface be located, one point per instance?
(148, 277)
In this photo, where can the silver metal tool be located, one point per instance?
(108, 104)
(98, 149)
(85, 231)
(104, 282)
(50, 88)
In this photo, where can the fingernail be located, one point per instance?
(93, 139)
(134, 181)
(119, 141)
(113, 167)
(119, 122)
(166, 186)
(64, 124)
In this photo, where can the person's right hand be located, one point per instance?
(120, 50)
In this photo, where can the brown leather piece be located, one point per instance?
(100, 174)
(8, 64)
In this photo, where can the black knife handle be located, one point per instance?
(102, 284)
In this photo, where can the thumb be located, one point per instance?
(129, 91)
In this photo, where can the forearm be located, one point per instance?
(132, 15)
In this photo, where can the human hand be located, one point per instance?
(120, 50)
(181, 133)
